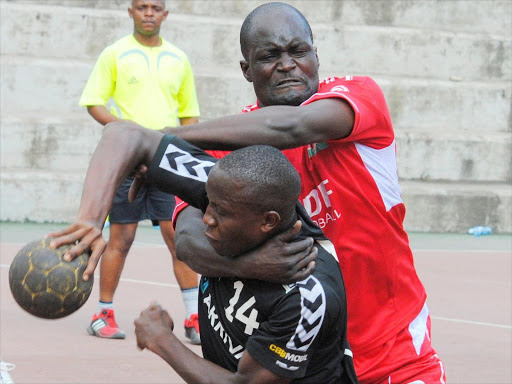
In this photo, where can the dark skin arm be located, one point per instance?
(123, 146)
(153, 330)
(193, 248)
(280, 126)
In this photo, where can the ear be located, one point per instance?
(271, 219)
(317, 59)
(166, 13)
(244, 65)
(130, 12)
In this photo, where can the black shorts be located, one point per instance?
(151, 203)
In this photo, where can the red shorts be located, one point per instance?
(407, 358)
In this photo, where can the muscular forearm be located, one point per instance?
(280, 126)
(278, 260)
(101, 114)
(264, 127)
(122, 147)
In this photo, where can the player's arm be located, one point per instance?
(122, 147)
(101, 114)
(279, 259)
(280, 126)
(189, 120)
(153, 330)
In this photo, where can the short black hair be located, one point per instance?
(262, 9)
(270, 181)
(163, 3)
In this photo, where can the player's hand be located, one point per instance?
(138, 182)
(86, 237)
(282, 259)
(153, 324)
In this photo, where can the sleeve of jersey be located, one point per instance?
(188, 105)
(180, 204)
(284, 343)
(100, 85)
(181, 169)
(372, 124)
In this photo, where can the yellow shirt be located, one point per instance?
(153, 86)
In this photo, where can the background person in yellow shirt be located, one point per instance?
(149, 81)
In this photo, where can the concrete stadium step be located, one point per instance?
(40, 196)
(438, 54)
(48, 145)
(491, 16)
(455, 207)
(431, 207)
(463, 156)
(60, 145)
(414, 104)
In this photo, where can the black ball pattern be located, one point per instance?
(45, 285)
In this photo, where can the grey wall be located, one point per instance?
(444, 66)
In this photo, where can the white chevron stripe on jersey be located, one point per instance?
(184, 164)
(312, 314)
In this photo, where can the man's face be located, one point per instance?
(282, 63)
(231, 227)
(147, 16)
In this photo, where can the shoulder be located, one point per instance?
(346, 83)
(171, 48)
(119, 46)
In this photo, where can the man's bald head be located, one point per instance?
(259, 14)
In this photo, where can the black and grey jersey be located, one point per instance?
(297, 331)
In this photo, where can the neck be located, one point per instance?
(286, 224)
(148, 41)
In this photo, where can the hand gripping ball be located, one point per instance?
(45, 285)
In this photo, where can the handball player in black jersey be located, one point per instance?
(251, 330)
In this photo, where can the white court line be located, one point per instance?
(505, 326)
(463, 250)
(136, 281)
(147, 282)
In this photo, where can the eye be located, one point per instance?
(299, 52)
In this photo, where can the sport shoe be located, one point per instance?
(192, 329)
(104, 325)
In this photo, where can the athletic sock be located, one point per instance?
(190, 300)
(103, 305)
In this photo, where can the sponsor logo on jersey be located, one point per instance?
(293, 357)
(318, 199)
(315, 148)
(339, 88)
(286, 366)
(235, 350)
(204, 284)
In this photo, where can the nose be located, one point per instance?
(149, 11)
(286, 63)
(208, 218)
